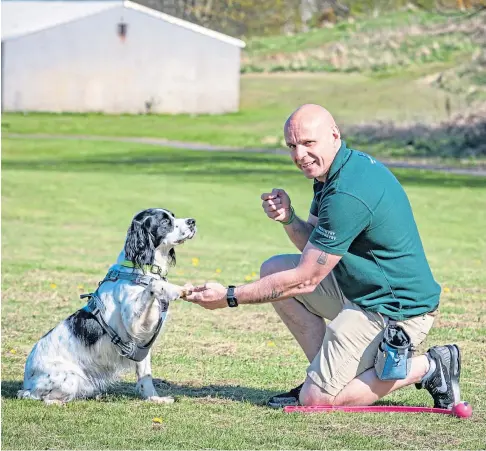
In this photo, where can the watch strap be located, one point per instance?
(230, 296)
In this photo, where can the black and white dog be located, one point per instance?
(87, 352)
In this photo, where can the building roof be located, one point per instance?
(22, 17)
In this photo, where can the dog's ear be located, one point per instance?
(172, 257)
(139, 246)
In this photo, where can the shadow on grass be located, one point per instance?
(209, 165)
(210, 392)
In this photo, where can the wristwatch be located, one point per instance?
(230, 296)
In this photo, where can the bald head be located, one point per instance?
(314, 139)
(311, 115)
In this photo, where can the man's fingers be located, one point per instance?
(194, 297)
(271, 205)
(199, 288)
(277, 192)
(276, 201)
(267, 196)
(276, 214)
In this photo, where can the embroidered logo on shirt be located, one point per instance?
(329, 234)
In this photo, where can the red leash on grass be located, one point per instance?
(369, 409)
(462, 409)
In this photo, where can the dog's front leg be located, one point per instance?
(145, 383)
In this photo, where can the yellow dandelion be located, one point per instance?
(253, 274)
(53, 286)
(195, 261)
(80, 287)
(180, 272)
(157, 420)
(271, 344)
(447, 290)
(247, 278)
(13, 351)
(218, 271)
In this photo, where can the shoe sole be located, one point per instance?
(455, 371)
(280, 405)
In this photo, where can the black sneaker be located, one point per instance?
(443, 383)
(290, 398)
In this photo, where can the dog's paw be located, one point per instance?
(161, 399)
(185, 291)
(54, 402)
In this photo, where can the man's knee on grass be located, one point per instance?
(313, 395)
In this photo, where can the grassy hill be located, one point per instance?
(451, 48)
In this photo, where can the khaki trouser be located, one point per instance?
(352, 336)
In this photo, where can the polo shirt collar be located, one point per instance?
(340, 160)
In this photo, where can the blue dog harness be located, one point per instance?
(96, 307)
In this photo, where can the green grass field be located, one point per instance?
(65, 209)
(266, 102)
(268, 99)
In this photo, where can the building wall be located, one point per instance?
(85, 66)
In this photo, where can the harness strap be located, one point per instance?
(97, 308)
(128, 349)
(93, 306)
(138, 279)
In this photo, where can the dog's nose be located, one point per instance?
(191, 222)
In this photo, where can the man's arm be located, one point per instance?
(299, 230)
(313, 267)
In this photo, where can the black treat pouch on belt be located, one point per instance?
(392, 361)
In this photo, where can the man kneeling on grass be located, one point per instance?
(362, 267)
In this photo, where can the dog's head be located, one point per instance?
(156, 229)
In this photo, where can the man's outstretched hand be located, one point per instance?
(210, 296)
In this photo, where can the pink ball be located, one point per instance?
(462, 409)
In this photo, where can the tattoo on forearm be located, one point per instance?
(269, 297)
(322, 259)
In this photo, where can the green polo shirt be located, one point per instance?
(365, 216)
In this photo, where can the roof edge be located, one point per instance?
(184, 23)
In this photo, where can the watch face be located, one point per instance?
(232, 302)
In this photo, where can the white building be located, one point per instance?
(113, 56)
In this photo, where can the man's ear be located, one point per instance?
(335, 132)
